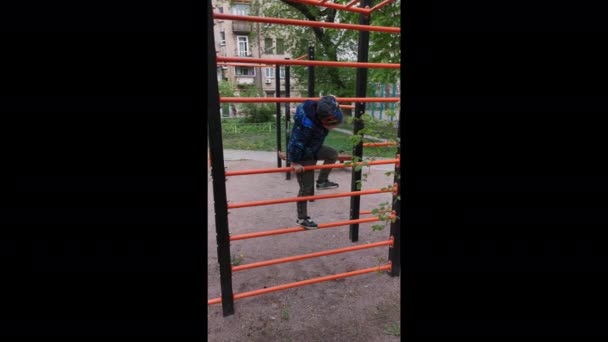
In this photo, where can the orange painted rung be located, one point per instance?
(388, 143)
(311, 255)
(310, 63)
(306, 198)
(333, 5)
(300, 229)
(350, 4)
(380, 5)
(306, 168)
(270, 20)
(237, 296)
(347, 106)
(302, 99)
(303, 56)
(369, 212)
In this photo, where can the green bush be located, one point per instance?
(255, 112)
(258, 113)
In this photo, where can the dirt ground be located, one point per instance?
(360, 308)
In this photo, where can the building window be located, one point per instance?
(243, 46)
(268, 48)
(220, 9)
(244, 71)
(272, 93)
(280, 47)
(240, 9)
(269, 72)
(222, 38)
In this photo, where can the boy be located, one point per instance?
(312, 122)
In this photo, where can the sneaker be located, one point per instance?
(307, 223)
(326, 185)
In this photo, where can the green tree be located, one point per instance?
(255, 112)
(226, 89)
(334, 44)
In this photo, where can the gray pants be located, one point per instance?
(306, 179)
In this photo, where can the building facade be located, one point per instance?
(234, 38)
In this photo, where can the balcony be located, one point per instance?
(241, 26)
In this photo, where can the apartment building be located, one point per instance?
(234, 38)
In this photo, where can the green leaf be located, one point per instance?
(377, 227)
(375, 211)
(358, 167)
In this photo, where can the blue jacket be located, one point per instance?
(307, 135)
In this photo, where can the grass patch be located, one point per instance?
(285, 313)
(266, 141)
(393, 328)
(385, 133)
(237, 260)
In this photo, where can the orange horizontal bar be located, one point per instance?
(302, 99)
(347, 106)
(388, 143)
(310, 255)
(300, 229)
(306, 168)
(306, 198)
(369, 212)
(333, 5)
(309, 63)
(309, 23)
(237, 296)
(380, 5)
(350, 4)
(302, 57)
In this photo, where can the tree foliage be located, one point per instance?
(255, 112)
(333, 44)
(226, 89)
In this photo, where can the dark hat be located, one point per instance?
(328, 111)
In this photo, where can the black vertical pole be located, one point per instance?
(214, 127)
(277, 73)
(287, 118)
(311, 81)
(394, 253)
(361, 91)
(311, 72)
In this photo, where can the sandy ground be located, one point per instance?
(360, 308)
